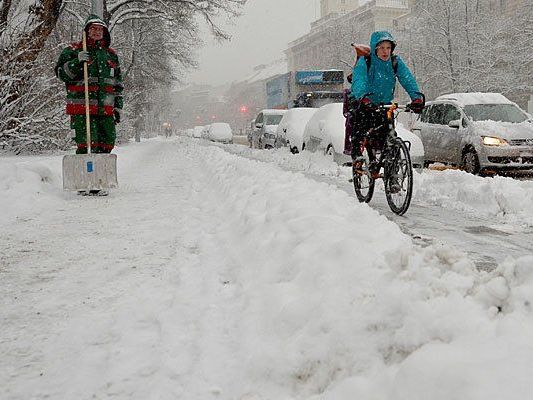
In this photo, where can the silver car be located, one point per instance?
(266, 123)
(476, 131)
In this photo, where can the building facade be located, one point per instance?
(337, 6)
(327, 45)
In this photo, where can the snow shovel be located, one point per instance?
(86, 172)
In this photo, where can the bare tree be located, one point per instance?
(156, 40)
(467, 45)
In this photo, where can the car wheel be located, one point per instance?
(471, 161)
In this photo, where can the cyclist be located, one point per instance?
(373, 83)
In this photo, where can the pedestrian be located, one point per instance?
(105, 87)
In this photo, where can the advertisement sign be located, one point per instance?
(277, 91)
(329, 77)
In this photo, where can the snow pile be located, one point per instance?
(476, 98)
(314, 163)
(507, 200)
(229, 278)
(24, 187)
(341, 305)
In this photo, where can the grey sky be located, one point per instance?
(259, 36)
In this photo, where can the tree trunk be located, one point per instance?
(45, 15)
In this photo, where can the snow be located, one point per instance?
(197, 131)
(273, 111)
(465, 99)
(500, 198)
(220, 131)
(230, 273)
(267, 71)
(293, 124)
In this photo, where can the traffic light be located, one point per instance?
(243, 109)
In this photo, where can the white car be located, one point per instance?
(220, 132)
(477, 131)
(290, 131)
(325, 132)
(266, 124)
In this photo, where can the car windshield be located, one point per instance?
(273, 119)
(495, 112)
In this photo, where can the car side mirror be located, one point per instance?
(259, 125)
(455, 124)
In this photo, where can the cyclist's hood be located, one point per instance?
(378, 37)
(95, 19)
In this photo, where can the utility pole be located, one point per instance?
(97, 8)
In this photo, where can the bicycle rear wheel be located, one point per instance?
(363, 182)
(399, 178)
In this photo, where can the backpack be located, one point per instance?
(394, 59)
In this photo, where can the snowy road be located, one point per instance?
(211, 275)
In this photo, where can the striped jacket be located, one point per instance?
(105, 79)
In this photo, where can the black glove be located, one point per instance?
(417, 105)
(116, 114)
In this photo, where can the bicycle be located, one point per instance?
(395, 160)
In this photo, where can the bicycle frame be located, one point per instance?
(370, 144)
(392, 154)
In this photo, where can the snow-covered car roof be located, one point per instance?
(273, 111)
(220, 131)
(465, 99)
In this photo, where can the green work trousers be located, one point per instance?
(103, 133)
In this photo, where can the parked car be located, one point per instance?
(220, 132)
(197, 132)
(325, 132)
(266, 124)
(477, 131)
(290, 130)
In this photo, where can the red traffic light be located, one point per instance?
(243, 109)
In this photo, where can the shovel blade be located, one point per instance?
(90, 171)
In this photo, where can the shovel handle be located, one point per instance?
(86, 85)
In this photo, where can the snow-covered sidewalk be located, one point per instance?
(209, 275)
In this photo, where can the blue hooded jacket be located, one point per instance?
(380, 79)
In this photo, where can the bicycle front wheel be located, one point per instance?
(399, 178)
(363, 182)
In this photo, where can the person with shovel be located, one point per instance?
(104, 87)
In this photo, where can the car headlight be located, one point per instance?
(494, 141)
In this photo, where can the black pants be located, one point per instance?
(366, 119)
